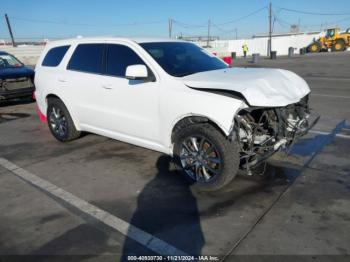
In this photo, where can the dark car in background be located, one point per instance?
(16, 80)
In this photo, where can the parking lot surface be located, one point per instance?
(100, 199)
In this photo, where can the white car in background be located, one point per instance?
(172, 97)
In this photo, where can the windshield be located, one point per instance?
(182, 59)
(330, 33)
(7, 61)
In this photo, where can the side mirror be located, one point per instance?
(136, 72)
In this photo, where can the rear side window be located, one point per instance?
(54, 56)
(119, 57)
(87, 58)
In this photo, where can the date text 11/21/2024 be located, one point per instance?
(173, 258)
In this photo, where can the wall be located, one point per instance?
(259, 45)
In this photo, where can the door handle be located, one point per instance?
(62, 80)
(108, 87)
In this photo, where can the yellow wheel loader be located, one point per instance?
(334, 40)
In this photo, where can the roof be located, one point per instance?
(150, 40)
(109, 38)
(3, 53)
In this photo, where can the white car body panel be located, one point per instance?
(145, 113)
(260, 87)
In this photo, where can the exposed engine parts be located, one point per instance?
(261, 132)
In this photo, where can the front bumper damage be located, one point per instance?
(261, 132)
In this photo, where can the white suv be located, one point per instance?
(172, 97)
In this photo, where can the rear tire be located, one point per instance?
(213, 165)
(60, 122)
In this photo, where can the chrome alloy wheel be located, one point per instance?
(200, 159)
(58, 122)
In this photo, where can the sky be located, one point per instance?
(135, 18)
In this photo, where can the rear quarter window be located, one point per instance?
(54, 56)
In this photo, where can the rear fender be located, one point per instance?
(71, 112)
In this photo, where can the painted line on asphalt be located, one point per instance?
(328, 133)
(345, 97)
(151, 242)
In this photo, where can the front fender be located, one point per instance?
(218, 109)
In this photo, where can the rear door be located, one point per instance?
(84, 80)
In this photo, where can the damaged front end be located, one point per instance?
(261, 132)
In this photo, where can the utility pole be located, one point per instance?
(208, 41)
(10, 30)
(170, 27)
(270, 30)
(236, 31)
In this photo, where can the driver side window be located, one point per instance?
(119, 57)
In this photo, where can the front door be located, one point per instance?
(131, 106)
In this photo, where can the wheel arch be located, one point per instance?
(52, 96)
(340, 40)
(192, 120)
(75, 121)
(227, 154)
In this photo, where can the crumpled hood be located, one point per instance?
(259, 86)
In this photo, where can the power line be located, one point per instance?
(173, 22)
(311, 13)
(217, 26)
(185, 25)
(79, 24)
(243, 17)
(222, 30)
(284, 23)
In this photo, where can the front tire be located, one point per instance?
(314, 47)
(338, 46)
(205, 156)
(60, 122)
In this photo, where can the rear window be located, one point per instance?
(54, 56)
(87, 58)
(8, 61)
